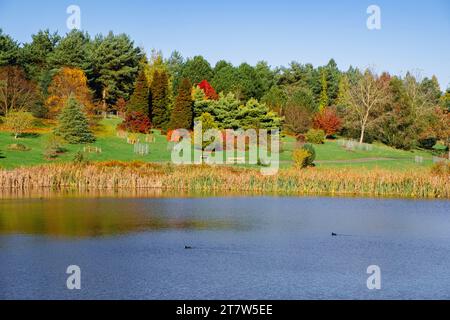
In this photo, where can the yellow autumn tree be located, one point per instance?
(66, 82)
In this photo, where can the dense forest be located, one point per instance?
(110, 74)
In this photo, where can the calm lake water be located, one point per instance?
(242, 248)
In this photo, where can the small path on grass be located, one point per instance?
(359, 160)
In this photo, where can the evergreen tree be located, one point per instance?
(175, 65)
(115, 64)
(139, 101)
(73, 125)
(9, 50)
(71, 51)
(35, 56)
(160, 100)
(333, 77)
(182, 113)
(323, 102)
(197, 69)
(344, 87)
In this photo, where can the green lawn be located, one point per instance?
(330, 154)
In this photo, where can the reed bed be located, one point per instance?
(137, 175)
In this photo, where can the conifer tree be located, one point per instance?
(323, 102)
(139, 101)
(182, 113)
(160, 100)
(73, 125)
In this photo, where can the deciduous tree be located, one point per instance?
(18, 122)
(67, 82)
(366, 99)
(16, 92)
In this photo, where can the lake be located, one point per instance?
(243, 247)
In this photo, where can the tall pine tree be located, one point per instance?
(139, 101)
(182, 113)
(160, 100)
(73, 125)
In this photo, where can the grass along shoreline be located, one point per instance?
(313, 181)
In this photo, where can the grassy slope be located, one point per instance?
(115, 148)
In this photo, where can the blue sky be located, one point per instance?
(415, 35)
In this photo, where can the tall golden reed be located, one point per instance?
(137, 175)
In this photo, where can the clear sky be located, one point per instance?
(414, 35)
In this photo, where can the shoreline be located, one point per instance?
(135, 178)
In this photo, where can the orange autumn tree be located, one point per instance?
(66, 82)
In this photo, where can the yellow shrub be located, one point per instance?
(300, 157)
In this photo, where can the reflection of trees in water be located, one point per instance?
(46, 193)
(90, 218)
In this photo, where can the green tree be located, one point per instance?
(208, 122)
(299, 110)
(18, 122)
(344, 87)
(275, 99)
(175, 65)
(35, 56)
(333, 77)
(266, 77)
(323, 102)
(9, 50)
(445, 100)
(249, 84)
(182, 112)
(73, 125)
(115, 65)
(160, 113)
(71, 51)
(432, 86)
(225, 110)
(255, 115)
(197, 69)
(140, 99)
(225, 78)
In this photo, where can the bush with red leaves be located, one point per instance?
(328, 121)
(208, 90)
(136, 122)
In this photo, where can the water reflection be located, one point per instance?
(87, 217)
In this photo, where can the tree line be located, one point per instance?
(111, 74)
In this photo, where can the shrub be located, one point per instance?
(54, 148)
(428, 143)
(300, 157)
(441, 168)
(312, 152)
(80, 158)
(328, 121)
(137, 122)
(304, 157)
(18, 147)
(316, 136)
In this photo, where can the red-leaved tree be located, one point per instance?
(209, 91)
(136, 122)
(328, 121)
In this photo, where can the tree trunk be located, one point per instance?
(361, 138)
(104, 99)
